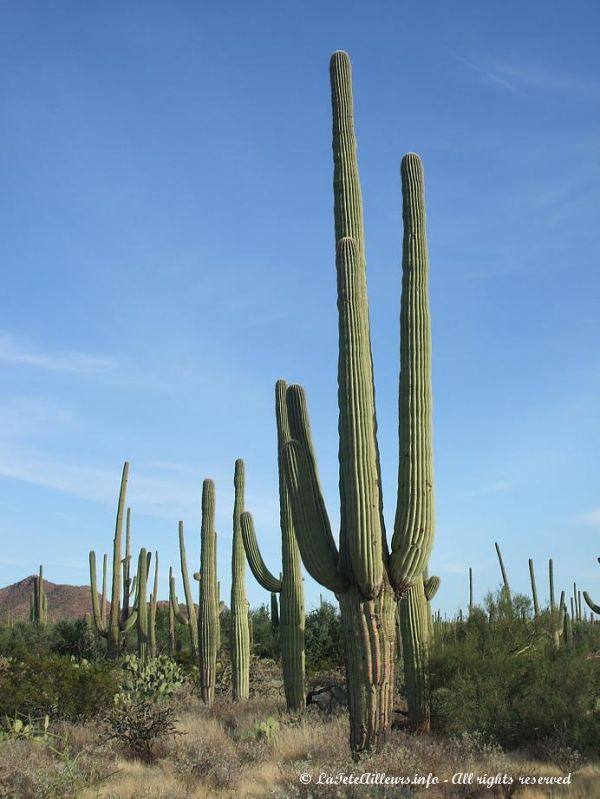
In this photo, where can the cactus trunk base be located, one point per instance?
(415, 633)
(370, 635)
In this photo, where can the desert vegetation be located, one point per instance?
(147, 699)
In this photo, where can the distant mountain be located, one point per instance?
(64, 601)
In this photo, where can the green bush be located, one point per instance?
(36, 685)
(323, 640)
(158, 679)
(507, 682)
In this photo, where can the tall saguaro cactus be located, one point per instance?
(366, 576)
(38, 613)
(209, 598)
(118, 623)
(191, 620)
(240, 633)
(289, 586)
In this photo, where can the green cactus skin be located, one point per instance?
(191, 620)
(240, 634)
(209, 601)
(38, 609)
(142, 605)
(568, 631)
(128, 587)
(117, 624)
(471, 603)
(503, 571)
(415, 633)
(551, 582)
(172, 600)
(153, 652)
(365, 576)
(536, 604)
(103, 605)
(290, 585)
(590, 603)
(557, 620)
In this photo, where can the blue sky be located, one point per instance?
(166, 241)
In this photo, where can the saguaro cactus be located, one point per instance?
(505, 582)
(209, 601)
(118, 623)
(38, 610)
(143, 636)
(536, 605)
(364, 574)
(289, 586)
(240, 633)
(191, 621)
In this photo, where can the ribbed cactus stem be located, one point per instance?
(274, 613)
(127, 580)
(551, 582)
(153, 606)
(103, 605)
(471, 604)
(240, 636)
(192, 621)
(209, 601)
(142, 605)
(115, 622)
(415, 633)
(505, 582)
(171, 621)
(414, 524)
(536, 605)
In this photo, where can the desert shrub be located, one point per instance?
(323, 640)
(265, 643)
(76, 639)
(507, 682)
(22, 639)
(138, 725)
(36, 685)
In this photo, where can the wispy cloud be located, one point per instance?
(516, 74)
(491, 488)
(590, 518)
(20, 353)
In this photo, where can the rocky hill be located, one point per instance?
(64, 601)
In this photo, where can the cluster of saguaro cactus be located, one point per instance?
(289, 585)
(365, 575)
(240, 631)
(38, 606)
(209, 596)
(120, 620)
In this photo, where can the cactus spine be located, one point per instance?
(240, 633)
(209, 602)
(289, 586)
(366, 577)
(118, 623)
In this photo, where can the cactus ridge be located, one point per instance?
(209, 599)
(240, 632)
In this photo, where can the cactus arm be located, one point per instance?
(315, 541)
(361, 529)
(127, 586)
(255, 559)
(311, 522)
(174, 602)
(114, 622)
(100, 627)
(536, 606)
(431, 586)
(590, 603)
(414, 522)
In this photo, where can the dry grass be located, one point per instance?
(221, 756)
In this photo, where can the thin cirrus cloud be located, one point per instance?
(14, 351)
(513, 75)
(591, 518)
